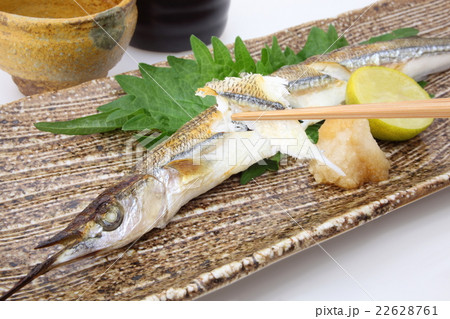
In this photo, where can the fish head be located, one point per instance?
(118, 216)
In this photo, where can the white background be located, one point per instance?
(402, 256)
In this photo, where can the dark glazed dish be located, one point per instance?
(166, 25)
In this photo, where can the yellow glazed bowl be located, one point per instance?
(54, 44)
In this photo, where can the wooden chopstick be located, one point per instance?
(431, 108)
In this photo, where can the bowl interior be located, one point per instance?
(56, 8)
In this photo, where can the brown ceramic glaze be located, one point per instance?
(55, 44)
(223, 235)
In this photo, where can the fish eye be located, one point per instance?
(112, 219)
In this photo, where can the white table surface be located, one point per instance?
(404, 255)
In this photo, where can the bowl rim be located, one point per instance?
(21, 19)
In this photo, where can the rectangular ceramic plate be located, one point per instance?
(219, 237)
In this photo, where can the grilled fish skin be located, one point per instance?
(321, 80)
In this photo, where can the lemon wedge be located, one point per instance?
(376, 84)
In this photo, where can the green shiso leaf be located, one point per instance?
(396, 34)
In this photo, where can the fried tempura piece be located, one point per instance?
(349, 145)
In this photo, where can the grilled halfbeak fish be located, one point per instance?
(210, 148)
(322, 80)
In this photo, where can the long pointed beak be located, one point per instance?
(68, 237)
(34, 273)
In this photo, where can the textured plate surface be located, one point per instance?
(219, 237)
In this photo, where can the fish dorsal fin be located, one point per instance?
(333, 69)
(187, 169)
(297, 71)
